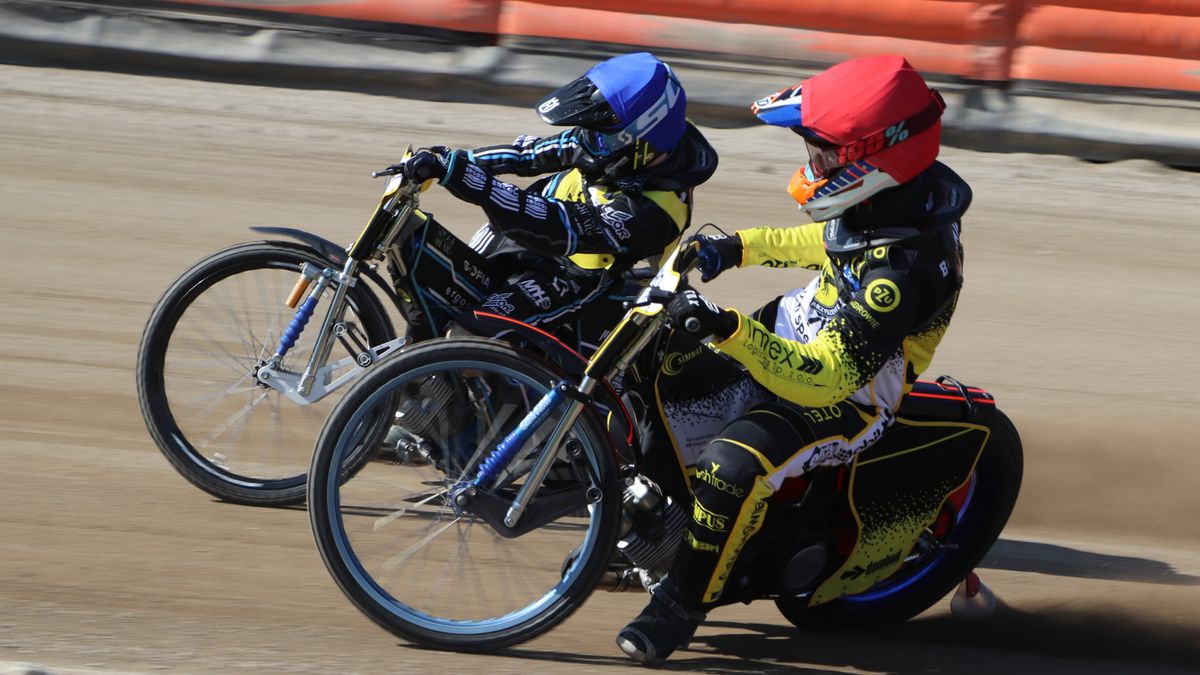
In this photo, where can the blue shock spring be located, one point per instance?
(296, 327)
(499, 458)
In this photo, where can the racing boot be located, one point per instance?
(666, 624)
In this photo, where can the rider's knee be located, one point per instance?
(728, 468)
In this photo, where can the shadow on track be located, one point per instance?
(1027, 556)
(1076, 640)
(1062, 641)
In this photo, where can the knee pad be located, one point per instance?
(728, 469)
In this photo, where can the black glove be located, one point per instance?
(694, 313)
(716, 254)
(424, 165)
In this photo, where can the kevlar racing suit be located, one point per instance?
(565, 241)
(838, 354)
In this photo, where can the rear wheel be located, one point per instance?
(969, 526)
(430, 560)
(196, 372)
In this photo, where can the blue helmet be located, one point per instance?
(628, 111)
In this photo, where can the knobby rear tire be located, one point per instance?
(998, 475)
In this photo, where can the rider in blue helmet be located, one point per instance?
(616, 189)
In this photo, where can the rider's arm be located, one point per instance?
(628, 227)
(843, 356)
(527, 155)
(801, 246)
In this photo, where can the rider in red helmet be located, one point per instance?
(836, 355)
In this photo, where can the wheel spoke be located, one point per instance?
(228, 435)
(420, 561)
(396, 560)
(234, 418)
(397, 514)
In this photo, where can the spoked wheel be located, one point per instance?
(969, 525)
(209, 333)
(430, 559)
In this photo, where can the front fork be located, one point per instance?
(493, 466)
(629, 338)
(313, 384)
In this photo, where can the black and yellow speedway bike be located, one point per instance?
(232, 380)
(542, 478)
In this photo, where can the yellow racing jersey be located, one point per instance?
(863, 329)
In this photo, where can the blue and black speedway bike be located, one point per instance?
(234, 382)
(540, 476)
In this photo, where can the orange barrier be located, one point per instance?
(1090, 30)
(1096, 45)
(934, 20)
(1113, 70)
(1127, 43)
(1177, 7)
(1152, 44)
(532, 19)
(470, 16)
(967, 39)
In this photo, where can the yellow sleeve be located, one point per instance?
(814, 374)
(800, 246)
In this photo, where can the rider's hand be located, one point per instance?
(424, 165)
(694, 313)
(715, 253)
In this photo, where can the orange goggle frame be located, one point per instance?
(801, 188)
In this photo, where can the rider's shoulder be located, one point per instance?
(951, 194)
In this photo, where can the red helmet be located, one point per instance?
(870, 123)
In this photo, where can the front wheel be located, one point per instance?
(986, 503)
(430, 560)
(196, 371)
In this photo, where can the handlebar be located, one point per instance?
(392, 170)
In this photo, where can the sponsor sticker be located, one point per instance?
(883, 295)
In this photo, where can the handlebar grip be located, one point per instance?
(691, 324)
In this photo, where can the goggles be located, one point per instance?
(602, 144)
(822, 157)
(825, 157)
(804, 185)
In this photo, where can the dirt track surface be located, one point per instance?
(1079, 314)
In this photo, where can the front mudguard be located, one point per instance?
(328, 250)
(336, 255)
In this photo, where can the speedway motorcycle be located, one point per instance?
(540, 476)
(234, 382)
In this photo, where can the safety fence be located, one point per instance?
(1142, 44)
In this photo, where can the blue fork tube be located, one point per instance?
(300, 319)
(508, 447)
(542, 467)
